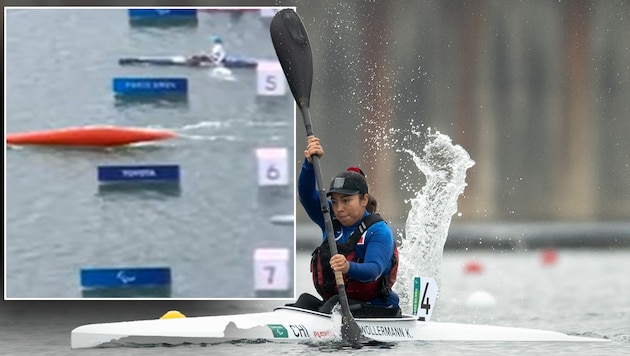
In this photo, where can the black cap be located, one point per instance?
(348, 183)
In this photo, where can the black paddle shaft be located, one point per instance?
(293, 49)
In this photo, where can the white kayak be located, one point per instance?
(290, 324)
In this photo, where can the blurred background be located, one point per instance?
(536, 92)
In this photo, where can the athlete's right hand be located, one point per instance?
(313, 148)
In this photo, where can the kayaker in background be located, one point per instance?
(217, 53)
(215, 57)
(367, 257)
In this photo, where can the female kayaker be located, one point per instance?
(367, 257)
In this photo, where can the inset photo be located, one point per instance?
(149, 155)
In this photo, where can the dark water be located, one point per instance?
(60, 63)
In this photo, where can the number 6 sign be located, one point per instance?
(273, 166)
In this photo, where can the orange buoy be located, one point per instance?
(89, 136)
(549, 256)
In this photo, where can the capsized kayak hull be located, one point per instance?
(229, 62)
(289, 324)
(89, 136)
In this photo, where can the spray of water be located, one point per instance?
(444, 166)
(222, 74)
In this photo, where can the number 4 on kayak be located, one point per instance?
(425, 291)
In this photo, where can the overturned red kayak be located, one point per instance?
(95, 136)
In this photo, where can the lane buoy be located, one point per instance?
(473, 266)
(481, 300)
(549, 256)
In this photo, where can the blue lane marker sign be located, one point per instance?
(150, 86)
(125, 277)
(161, 13)
(139, 173)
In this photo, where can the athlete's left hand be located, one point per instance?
(338, 262)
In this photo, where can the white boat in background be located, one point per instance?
(292, 324)
(287, 219)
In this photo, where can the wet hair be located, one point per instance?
(371, 204)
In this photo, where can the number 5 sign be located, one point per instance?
(273, 167)
(271, 269)
(270, 79)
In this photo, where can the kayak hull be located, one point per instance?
(90, 136)
(229, 62)
(289, 324)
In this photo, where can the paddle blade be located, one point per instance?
(351, 332)
(293, 49)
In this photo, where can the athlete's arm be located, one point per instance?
(308, 194)
(378, 254)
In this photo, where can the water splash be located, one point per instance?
(444, 166)
(337, 320)
(222, 74)
(204, 124)
(227, 138)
